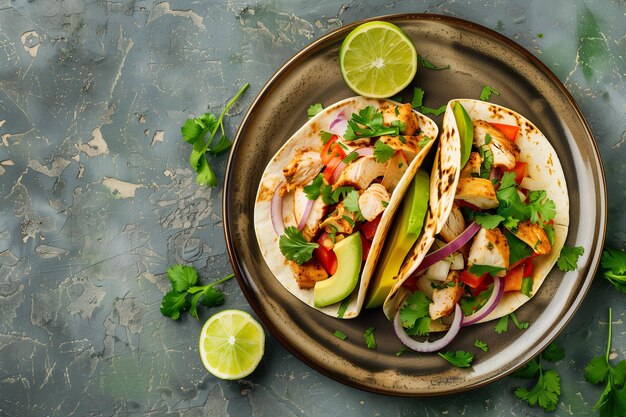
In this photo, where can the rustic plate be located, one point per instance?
(477, 57)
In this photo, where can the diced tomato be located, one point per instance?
(330, 168)
(366, 245)
(332, 150)
(520, 170)
(369, 228)
(327, 258)
(528, 267)
(528, 259)
(509, 131)
(513, 279)
(472, 280)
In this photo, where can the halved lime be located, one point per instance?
(232, 344)
(377, 59)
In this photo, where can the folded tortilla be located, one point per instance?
(308, 136)
(544, 173)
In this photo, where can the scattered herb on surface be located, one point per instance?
(614, 264)
(418, 103)
(547, 390)
(481, 345)
(568, 259)
(314, 109)
(295, 247)
(503, 324)
(194, 132)
(340, 335)
(402, 350)
(517, 323)
(460, 358)
(368, 336)
(424, 63)
(184, 279)
(487, 91)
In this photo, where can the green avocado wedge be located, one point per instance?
(403, 234)
(466, 131)
(349, 253)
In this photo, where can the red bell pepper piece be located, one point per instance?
(369, 228)
(509, 131)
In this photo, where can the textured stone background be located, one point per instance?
(97, 198)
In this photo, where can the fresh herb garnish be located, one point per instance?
(487, 139)
(541, 207)
(481, 345)
(423, 62)
(184, 279)
(402, 350)
(424, 141)
(547, 390)
(195, 130)
(503, 325)
(368, 124)
(568, 259)
(614, 264)
(518, 249)
(418, 103)
(527, 286)
(517, 323)
(486, 92)
(340, 335)
(325, 136)
(382, 151)
(433, 111)
(295, 247)
(460, 358)
(369, 339)
(314, 189)
(351, 203)
(488, 221)
(487, 157)
(351, 157)
(314, 109)
(479, 270)
(612, 402)
(414, 314)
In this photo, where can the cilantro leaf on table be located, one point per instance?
(314, 109)
(418, 103)
(382, 152)
(368, 124)
(460, 358)
(517, 323)
(434, 111)
(547, 390)
(529, 370)
(368, 337)
(340, 335)
(503, 325)
(423, 62)
(184, 280)
(612, 402)
(568, 259)
(194, 132)
(485, 93)
(553, 353)
(295, 247)
(481, 345)
(614, 264)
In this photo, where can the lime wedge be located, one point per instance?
(231, 344)
(377, 59)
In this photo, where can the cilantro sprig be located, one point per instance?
(368, 338)
(194, 132)
(295, 247)
(418, 103)
(368, 123)
(613, 263)
(185, 294)
(568, 258)
(486, 92)
(414, 314)
(424, 63)
(314, 109)
(460, 358)
(612, 402)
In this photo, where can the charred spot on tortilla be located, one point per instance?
(265, 194)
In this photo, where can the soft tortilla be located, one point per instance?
(544, 172)
(308, 136)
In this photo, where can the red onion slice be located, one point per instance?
(450, 248)
(367, 151)
(426, 346)
(337, 172)
(340, 117)
(276, 209)
(339, 125)
(492, 302)
(305, 215)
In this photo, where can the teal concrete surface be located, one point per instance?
(97, 199)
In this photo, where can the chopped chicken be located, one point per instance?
(478, 192)
(472, 168)
(360, 173)
(302, 169)
(505, 151)
(446, 297)
(490, 247)
(308, 274)
(317, 213)
(341, 219)
(404, 113)
(396, 167)
(407, 144)
(454, 226)
(371, 201)
(534, 236)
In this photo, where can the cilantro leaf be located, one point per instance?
(597, 370)
(415, 307)
(460, 358)
(351, 203)
(314, 189)
(423, 62)
(529, 370)
(517, 323)
(488, 221)
(182, 277)
(518, 249)
(194, 130)
(503, 324)
(486, 92)
(481, 345)
(173, 303)
(527, 286)
(204, 173)
(325, 136)
(314, 109)
(418, 97)
(614, 264)
(382, 151)
(340, 335)
(553, 353)
(368, 124)
(545, 393)
(420, 328)
(424, 141)
(295, 247)
(568, 259)
(212, 297)
(542, 209)
(368, 337)
(433, 111)
(402, 350)
(479, 270)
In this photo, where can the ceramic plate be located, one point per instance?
(477, 57)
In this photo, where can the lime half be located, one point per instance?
(377, 59)
(231, 344)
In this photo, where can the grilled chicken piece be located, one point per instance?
(404, 113)
(454, 226)
(318, 211)
(490, 247)
(505, 151)
(302, 169)
(396, 167)
(308, 274)
(339, 220)
(534, 236)
(472, 168)
(478, 192)
(446, 297)
(371, 201)
(360, 173)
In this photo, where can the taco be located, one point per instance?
(498, 218)
(326, 199)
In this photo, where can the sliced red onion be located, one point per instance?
(367, 151)
(492, 302)
(426, 346)
(450, 248)
(276, 208)
(339, 125)
(337, 172)
(305, 215)
(340, 117)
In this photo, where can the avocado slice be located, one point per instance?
(402, 236)
(349, 253)
(466, 131)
